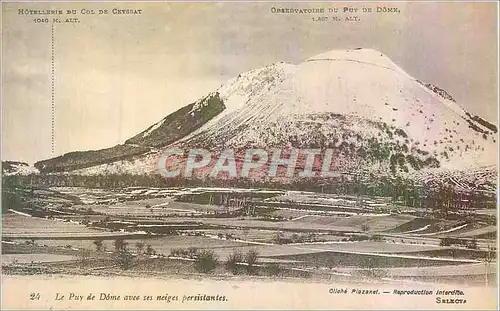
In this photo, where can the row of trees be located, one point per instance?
(471, 244)
(122, 253)
(352, 183)
(206, 261)
(119, 244)
(440, 197)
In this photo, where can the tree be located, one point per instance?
(124, 258)
(278, 239)
(99, 245)
(472, 244)
(150, 250)
(489, 256)
(84, 257)
(119, 244)
(140, 247)
(86, 220)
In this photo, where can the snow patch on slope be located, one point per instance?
(18, 168)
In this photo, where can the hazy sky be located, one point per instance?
(116, 75)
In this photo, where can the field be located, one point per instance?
(162, 207)
(366, 260)
(16, 225)
(376, 222)
(468, 269)
(305, 234)
(33, 258)
(478, 232)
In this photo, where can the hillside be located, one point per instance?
(17, 168)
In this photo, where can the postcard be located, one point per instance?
(249, 155)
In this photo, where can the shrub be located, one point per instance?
(401, 133)
(295, 237)
(370, 271)
(376, 238)
(358, 238)
(272, 269)
(177, 252)
(251, 259)
(192, 252)
(124, 258)
(233, 261)
(150, 250)
(444, 242)
(206, 261)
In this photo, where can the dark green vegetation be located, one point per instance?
(181, 122)
(483, 122)
(443, 199)
(206, 261)
(82, 159)
(439, 91)
(10, 166)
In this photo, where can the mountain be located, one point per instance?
(376, 118)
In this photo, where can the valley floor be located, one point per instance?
(299, 240)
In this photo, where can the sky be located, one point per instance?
(115, 75)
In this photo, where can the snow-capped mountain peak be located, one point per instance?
(360, 55)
